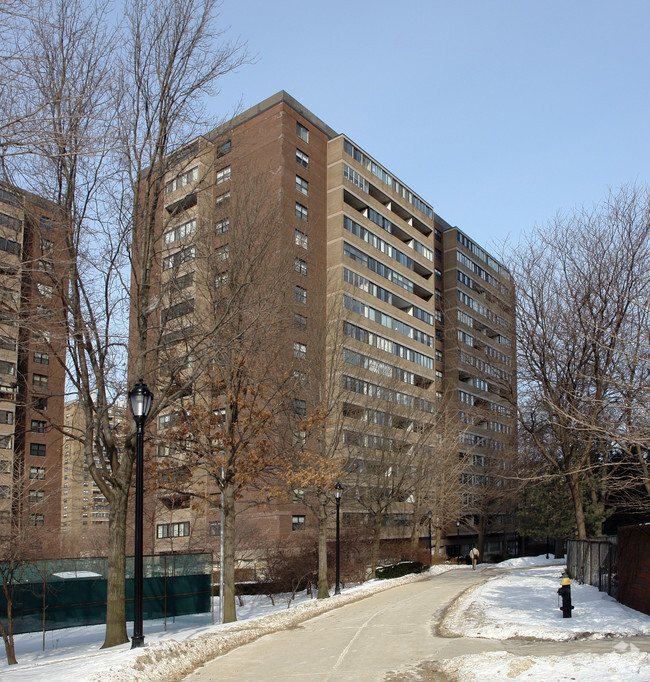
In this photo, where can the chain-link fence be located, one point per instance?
(50, 595)
(594, 562)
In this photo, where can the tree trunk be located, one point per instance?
(482, 523)
(374, 547)
(323, 583)
(115, 584)
(578, 508)
(229, 608)
(8, 633)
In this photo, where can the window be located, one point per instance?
(36, 519)
(41, 358)
(5, 492)
(222, 252)
(299, 407)
(39, 380)
(224, 148)
(36, 496)
(299, 377)
(438, 376)
(300, 294)
(299, 350)
(302, 185)
(302, 132)
(6, 417)
(173, 530)
(301, 212)
(301, 239)
(9, 246)
(7, 344)
(222, 226)
(300, 322)
(222, 198)
(37, 449)
(183, 179)
(221, 280)
(165, 420)
(46, 245)
(43, 312)
(6, 442)
(44, 290)
(42, 335)
(181, 231)
(215, 529)
(438, 275)
(45, 265)
(7, 368)
(38, 426)
(297, 522)
(10, 199)
(177, 310)
(302, 158)
(223, 175)
(37, 473)
(300, 266)
(5, 466)
(40, 404)
(300, 438)
(438, 356)
(175, 259)
(179, 283)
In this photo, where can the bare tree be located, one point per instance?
(318, 459)
(116, 102)
(22, 546)
(231, 426)
(439, 463)
(583, 284)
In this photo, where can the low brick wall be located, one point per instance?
(634, 567)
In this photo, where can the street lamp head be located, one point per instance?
(457, 524)
(338, 491)
(429, 514)
(140, 398)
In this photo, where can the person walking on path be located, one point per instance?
(473, 555)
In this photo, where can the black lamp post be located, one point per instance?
(429, 514)
(458, 536)
(338, 491)
(140, 397)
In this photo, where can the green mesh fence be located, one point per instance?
(50, 595)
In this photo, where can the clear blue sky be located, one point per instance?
(500, 113)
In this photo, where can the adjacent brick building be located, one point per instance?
(32, 353)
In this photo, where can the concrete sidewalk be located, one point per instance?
(397, 634)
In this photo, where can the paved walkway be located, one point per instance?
(391, 635)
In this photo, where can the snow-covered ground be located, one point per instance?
(524, 603)
(519, 603)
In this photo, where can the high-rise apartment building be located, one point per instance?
(423, 316)
(84, 509)
(32, 353)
